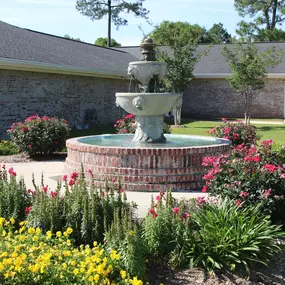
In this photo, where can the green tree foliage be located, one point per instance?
(265, 15)
(216, 35)
(249, 69)
(97, 9)
(71, 38)
(177, 33)
(104, 42)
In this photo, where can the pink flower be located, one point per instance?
(243, 194)
(71, 182)
(28, 210)
(185, 215)
(267, 143)
(113, 180)
(74, 175)
(45, 189)
(282, 176)
(115, 125)
(270, 167)
(3, 166)
(30, 146)
(162, 193)
(224, 119)
(89, 171)
(12, 172)
(205, 188)
(121, 190)
(64, 177)
(53, 194)
(238, 202)
(175, 210)
(157, 198)
(56, 142)
(267, 193)
(200, 200)
(208, 160)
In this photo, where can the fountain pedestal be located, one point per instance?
(149, 129)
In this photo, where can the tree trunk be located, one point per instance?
(274, 9)
(109, 23)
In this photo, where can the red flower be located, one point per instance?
(27, 210)
(74, 175)
(267, 143)
(56, 142)
(45, 189)
(103, 194)
(200, 200)
(121, 190)
(12, 172)
(53, 194)
(71, 182)
(152, 211)
(89, 171)
(4, 166)
(162, 193)
(113, 180)
(157, 198)
(64, 177)
(175, 210)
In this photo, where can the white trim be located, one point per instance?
(284, 101)
(15, 64)
(225, 75)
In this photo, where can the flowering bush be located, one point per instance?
(87, 210)
(28, 256)
(39, 135)
(14, 198)
(127, 125)
(237, 132)
(249, 176)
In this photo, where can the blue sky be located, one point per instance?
(59, 17)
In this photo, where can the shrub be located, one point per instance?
(30, 257)
(228, 236)
(249, 176)
(8, 148)
(127, 125)
(237, 132)
(39, 135)
(15, 200)
(166, 232)
(89, 211)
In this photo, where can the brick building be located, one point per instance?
(49, 75)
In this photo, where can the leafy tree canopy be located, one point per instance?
(265, 14)
(103, 42)
(98, 9)
(249, 68)
(71, 38)
(183, 33)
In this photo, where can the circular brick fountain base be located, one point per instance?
(143, 169)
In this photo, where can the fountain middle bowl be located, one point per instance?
(148, 104)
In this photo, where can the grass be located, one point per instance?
(266, 131)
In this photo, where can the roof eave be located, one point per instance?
(15, 64)
(226, 75)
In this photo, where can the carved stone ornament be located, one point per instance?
(139, 102)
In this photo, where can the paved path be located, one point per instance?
(54, 170)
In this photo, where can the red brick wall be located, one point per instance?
(210, 98)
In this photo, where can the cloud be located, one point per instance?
(54, 3)
(218, 10)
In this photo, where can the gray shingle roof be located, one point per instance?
(214, 62)
(22, 44)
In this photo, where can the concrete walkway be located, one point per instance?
(54, 170)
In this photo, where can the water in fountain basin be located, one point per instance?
(173, 141)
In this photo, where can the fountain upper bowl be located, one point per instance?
(148, 104)
(143, 71)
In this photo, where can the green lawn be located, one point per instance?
(266, 131)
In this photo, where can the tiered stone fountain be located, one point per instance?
(148, 160)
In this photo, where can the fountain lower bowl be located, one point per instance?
(175, 165)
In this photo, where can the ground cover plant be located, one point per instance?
(62, 230)
(8, 148)
(39, 135)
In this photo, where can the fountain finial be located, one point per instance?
(147, 50)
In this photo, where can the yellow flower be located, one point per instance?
(48, 234)
(95, 243)
(96, 278)
(90, 279)
(68, 242)
(12, 220)
(31, 230)
(38, 231)
(58, 234)
(123, 274)
(75, 271)
(2, 220)
(4, 233)
(136, 281)
(69, 230)
(132, 233)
